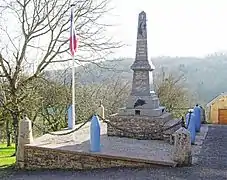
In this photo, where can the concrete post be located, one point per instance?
(182, 151)
(25, 137)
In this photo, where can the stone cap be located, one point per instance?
(142, 65)
(182, 130)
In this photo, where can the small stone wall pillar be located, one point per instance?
(182, 151)
(25, 137)
(101, 111)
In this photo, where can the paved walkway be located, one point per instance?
(212, 164)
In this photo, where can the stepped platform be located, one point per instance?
(72, 152)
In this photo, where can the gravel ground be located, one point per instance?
(212, 164)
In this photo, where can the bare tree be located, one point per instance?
(53, 105)
(40, 34)
(172, 92)
(115, 94)
(55, 99)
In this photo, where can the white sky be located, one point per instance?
(175, 27)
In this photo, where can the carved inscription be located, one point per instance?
(141, 49)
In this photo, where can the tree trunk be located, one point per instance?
(8, 133)
(15, 116)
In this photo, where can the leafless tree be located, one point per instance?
(38, 35)
(171, 90)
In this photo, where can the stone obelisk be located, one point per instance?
(143, 117)
(142, 100)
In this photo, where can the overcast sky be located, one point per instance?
(175, 27)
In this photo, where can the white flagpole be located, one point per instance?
(73, 82)
(73, 93)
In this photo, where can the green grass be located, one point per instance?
(5, 156)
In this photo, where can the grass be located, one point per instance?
(5, 156)
(6, 161)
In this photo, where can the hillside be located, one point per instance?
(205, 76)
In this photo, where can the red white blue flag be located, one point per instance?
(73, 38)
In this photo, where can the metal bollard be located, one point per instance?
(197, 112)
(190, 124)
(95, 134)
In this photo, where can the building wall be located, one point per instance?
(220, 103)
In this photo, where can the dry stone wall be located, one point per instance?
(47, 158)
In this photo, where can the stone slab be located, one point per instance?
(114, 148)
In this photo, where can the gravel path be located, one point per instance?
(212, 164)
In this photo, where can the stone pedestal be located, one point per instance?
(182, 152)
(25, 137)
(140, 127)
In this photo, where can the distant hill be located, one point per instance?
(206, 76)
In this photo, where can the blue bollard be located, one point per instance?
(190, 125)
(70, 117)
(95, 134)
(197, 112)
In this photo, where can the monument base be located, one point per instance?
(152, 101)
(143, 127)
(142, 112)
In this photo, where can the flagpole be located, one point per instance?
(73, 83)
(73, 93)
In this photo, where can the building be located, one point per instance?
(216, 110)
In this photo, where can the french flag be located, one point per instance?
(73, 39)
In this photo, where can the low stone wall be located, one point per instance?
(47, 158)
(138, 127)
